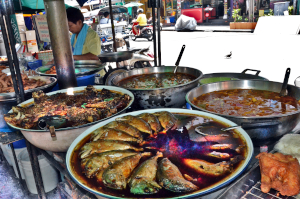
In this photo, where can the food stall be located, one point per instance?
(140, 139)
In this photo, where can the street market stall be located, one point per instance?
(120, 146)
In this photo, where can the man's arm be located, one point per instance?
(88, 56)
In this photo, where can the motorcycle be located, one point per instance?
(145, 32)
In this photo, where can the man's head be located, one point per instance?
(106, 14)
(75, 20)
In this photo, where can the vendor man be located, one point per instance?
(85, 42)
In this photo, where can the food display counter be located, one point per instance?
(139, 138)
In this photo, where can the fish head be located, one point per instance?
(145, 186)
(114, 179)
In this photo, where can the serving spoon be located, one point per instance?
(285, 82)
(202, 130)
(179, 58)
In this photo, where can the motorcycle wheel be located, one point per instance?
(150, 33)
(133, 38)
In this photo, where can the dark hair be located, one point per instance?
(74, 15)
(106, 14)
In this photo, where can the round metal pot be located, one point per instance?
(65, 136)
(263, 127)
(172, 97)
(235, 76)
(80, 69)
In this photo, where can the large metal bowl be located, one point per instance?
(234, 76)
(263, 127)
(238, 171)
(65, 136)
(81, 69)
(172, 97)
(50, 83)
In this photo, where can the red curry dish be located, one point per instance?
(247, 103)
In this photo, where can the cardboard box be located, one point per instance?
(31, 41)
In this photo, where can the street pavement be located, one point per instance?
(271, 54)
(207, 28)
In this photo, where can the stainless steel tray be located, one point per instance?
(88, 62)
(80, 70)
(248, 186)
(50, 83)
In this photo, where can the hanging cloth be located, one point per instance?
(80, 40)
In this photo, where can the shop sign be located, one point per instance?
(14, 25)
(225, 7)
(42, 26)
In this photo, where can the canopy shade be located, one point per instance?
(91, 13)
(133, 4)
(115, 9)
(31, 5)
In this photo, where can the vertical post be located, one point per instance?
(154, 33)
(36, 170)
(16, 162)
(7, 9)
(61, 44)
(225, 9)
(9, 58)
(158, 37)
(112, 25)
(231, 7)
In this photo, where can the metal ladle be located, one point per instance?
(179, 58)
(201, 129)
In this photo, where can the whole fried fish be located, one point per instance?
(166, 119)
(142, 181)
(101, 146)
(113, 134)
(101, 161)
(136, 122)
(116, 175)
(169, 177)
(208, 168)
(152, 121)
(122, 126)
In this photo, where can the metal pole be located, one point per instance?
(61, 43)
(36, 171)
(10, 62)
(16, 162)
(158, 37)
(112, 26)
(154, 33)
(7, 11)
(294, 6)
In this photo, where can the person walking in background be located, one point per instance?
(105, 20)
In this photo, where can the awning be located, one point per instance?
(133, 4)
(115, 9)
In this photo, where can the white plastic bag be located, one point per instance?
(185, 23)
